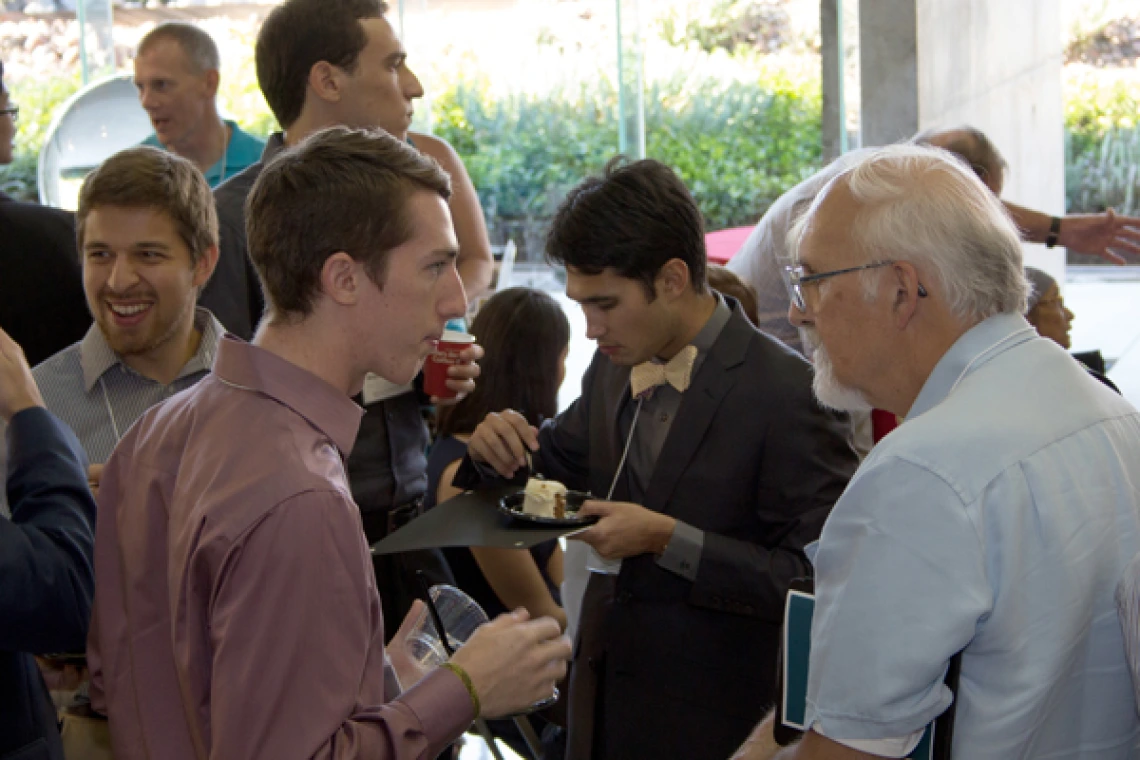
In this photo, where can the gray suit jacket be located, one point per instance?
(669, 668)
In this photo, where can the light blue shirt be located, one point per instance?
(998, 520)
(242, 150)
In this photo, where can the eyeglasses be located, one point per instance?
(13, 111)
(797, 279)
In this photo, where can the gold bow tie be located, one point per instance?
(677, 372)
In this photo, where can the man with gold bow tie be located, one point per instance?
(713, 465)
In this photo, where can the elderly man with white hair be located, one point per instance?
(995, 522)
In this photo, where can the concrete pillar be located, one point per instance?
(833, 126)
(992, 64)
(996, 65)
(888, 69)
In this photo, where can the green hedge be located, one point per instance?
(1102, 139)
(737, 144)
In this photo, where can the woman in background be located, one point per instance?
(526, 337)
(1051, 318)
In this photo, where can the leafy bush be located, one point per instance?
(737, 144)
(1107, 175)
(740, 129)
(728, 25)
(1102, 140)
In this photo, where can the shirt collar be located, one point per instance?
(255, 369)
(982, 342)
(274, 145)
(706, 338)
(221, 169)
(96, 355)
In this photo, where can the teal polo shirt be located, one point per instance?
(243, 149)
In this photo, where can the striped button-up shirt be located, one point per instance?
(99, 397)
(88, 386)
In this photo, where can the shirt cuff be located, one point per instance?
(441, 702)
(899, 746)
(682, 554)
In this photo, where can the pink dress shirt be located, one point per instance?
(236, 612)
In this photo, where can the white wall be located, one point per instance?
(996, 65)
(993, 64)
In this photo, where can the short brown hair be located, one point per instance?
(724, 280)
(199, 47)
(296, 36)
(340, 189)
(145, 177)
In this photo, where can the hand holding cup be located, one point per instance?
(515, 662)
(450, 371)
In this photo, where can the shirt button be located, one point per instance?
(665, 418)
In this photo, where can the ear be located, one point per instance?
(672, 279)
(213, 78)
(205, 266)
(341, 279)
(908, 292)
(326, 81)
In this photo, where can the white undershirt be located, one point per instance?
(896, 747)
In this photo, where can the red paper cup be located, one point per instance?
(446, 354)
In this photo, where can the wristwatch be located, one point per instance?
(1054, 232)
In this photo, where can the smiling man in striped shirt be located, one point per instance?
(148, 239)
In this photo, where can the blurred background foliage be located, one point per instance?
(732, 103)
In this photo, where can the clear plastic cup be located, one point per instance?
(460, 615)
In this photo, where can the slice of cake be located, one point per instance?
(544, 498)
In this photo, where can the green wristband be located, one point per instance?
(466, 679)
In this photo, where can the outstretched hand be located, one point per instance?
(1105, 235)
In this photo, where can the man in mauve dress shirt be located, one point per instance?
(236, 612)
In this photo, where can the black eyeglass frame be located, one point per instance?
(797, 279)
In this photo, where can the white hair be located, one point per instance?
(919, 204)
(829, 391)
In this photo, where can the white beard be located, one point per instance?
(828, 390)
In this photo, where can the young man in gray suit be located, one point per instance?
(713, 465)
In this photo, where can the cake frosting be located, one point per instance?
(544, 498)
